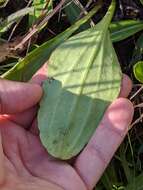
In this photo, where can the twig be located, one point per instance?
(14, 28)
(138, 91)
(136, 121)
(88, 4)
(139, 105)
(77, 2)
(47, 3)
(36, 28)
(48, 17)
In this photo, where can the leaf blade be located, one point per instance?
(123, 29)
(82, 89)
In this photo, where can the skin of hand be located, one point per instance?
(26, 165)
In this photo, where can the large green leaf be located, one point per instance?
(24, 70)
(85, 78)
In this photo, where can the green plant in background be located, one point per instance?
(25, 69)
(120, 30)
(7, 23)
(137, 59)
(79, 88)
(40, 8)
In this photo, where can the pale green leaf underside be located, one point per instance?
(87, 79)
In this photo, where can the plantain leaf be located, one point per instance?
(85, 78)
(138, 71)
(24, 70)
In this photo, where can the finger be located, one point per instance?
(126, 86)
(25, 152)
(2, 170)
(34, 127)
(16, 97)
(25, 118)
(105, 141)
(41, 75)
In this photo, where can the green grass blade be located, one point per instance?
(137, 183)
(106, 181)
(123, 29)
(6, 24)
(73, 12)
(128, 172)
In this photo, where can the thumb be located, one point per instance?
(18, 96)
(2, 170)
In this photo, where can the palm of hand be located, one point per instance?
(25, 164)
(28, 165)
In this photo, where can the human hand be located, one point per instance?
(25, 164)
